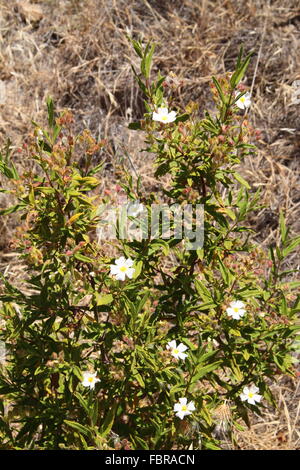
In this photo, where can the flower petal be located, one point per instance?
(114, 269)
(181, 347)
(162, 111)
(156, 117)
(171, 344)
(120, 276)
(130, 272)
(120, 261)
(230, 311)
(251, 401)
(191, 406)
(182, 355)
(128, 262)
(236, 316)
(253, 389)
(183, 401)
(181, 414)
(171, 116)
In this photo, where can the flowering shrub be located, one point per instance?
(137, 343)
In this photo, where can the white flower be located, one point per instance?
(89, 379)
(236, 309)
(250, 394)
(164, 116)
(134, 208)
(245, 100)
(184, 408)
(177, 351)
(122, 268)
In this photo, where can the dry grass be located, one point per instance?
(76, 51)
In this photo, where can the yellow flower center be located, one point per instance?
(250, 395)
(123, 269)
(236, 309)
(184, 408)
(164, 118)
(91, 379)
(242, 99)
(175, 351)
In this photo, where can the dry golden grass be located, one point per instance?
(76, 51)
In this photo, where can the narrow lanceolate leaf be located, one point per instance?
(74, 218)
(241, 180)
(240, 72)
(82, 402)
(219, 89)
(205, 370)
(11, 210)
(78, 427)
(283, 229)
(83, 258)
(109, 420)
(146, 62)
(50, 107)
(293, 244)
(137, 47)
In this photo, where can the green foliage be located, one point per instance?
(72, 316)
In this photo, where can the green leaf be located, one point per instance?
(226, 273)
(182, 118)
(94, 413)
(157, 244)
(293, 244)
(246, 355)
(77, 372)
(141, 443)
(137, 269)
(147, 59)
(11, 210)
(234, 332)
(50, 107)
(241, 180)
(283, 229)
(103, 299)
(78, 427)
(203, 291)
(108, 421)
(135, 126)
(137, 47)
(205, 370)
(219, 89)
(83, 258)
(137, 376)
(82, 402)
(242, 410)
(229, 212)
(240, 71)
